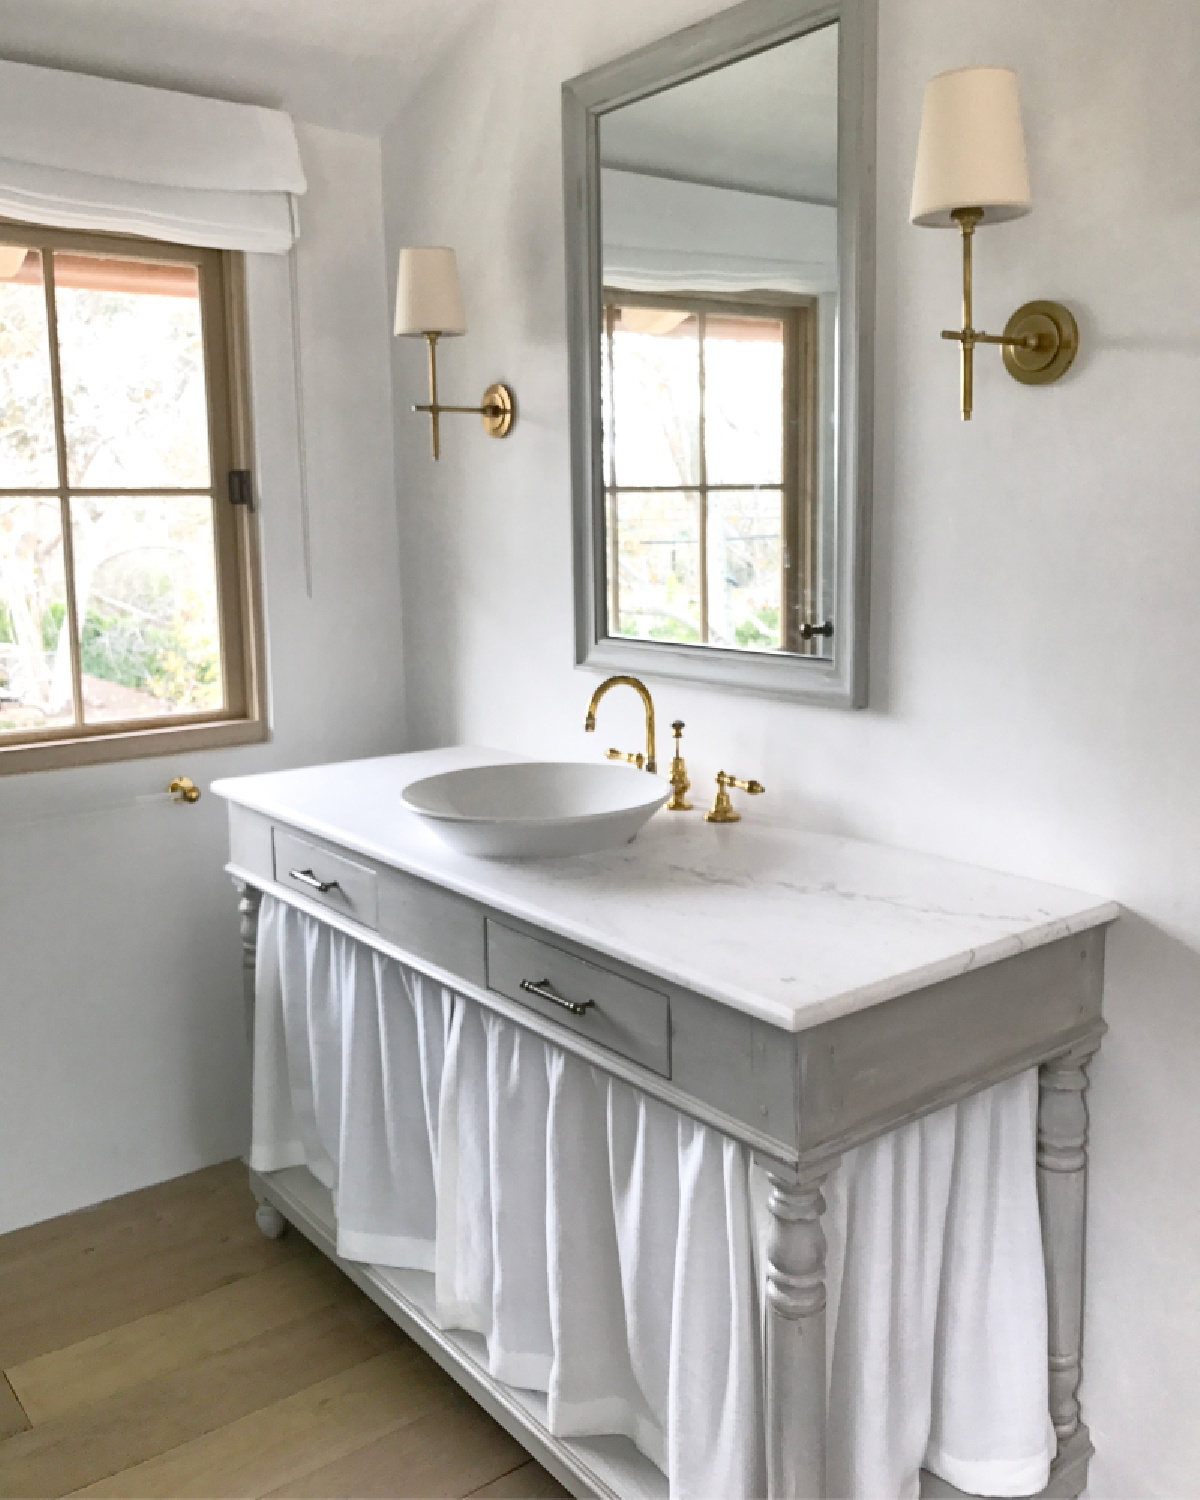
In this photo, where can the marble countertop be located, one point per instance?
(793, 927)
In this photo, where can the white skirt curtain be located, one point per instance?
(608, 1248)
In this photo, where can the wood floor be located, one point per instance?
(158, 1345)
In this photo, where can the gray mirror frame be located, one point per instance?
(839, 680)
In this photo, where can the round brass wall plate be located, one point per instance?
(1057, 336)
(496, 412)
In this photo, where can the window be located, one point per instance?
(710, 463)
(128, 611)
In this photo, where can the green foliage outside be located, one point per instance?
(761, 629)
(158, 659)
(674, 630)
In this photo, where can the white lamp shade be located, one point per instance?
(971, 153)
(428, 297)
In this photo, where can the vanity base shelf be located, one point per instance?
(608, 1467)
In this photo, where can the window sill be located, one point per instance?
(128, 742)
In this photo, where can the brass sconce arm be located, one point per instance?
(1039, 341)
(496, 408)
(968, 336)
(643, 692)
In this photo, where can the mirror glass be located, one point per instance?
(719, 355)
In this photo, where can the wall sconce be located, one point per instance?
(429, 305)
(971, 170)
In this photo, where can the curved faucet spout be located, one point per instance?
(643, 693)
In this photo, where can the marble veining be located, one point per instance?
(793, 927)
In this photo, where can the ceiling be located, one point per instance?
(345, 63)
(767, 123)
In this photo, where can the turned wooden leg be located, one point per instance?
(1062, 1193)
(795, 1333)
(249, 900)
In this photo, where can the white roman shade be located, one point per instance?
(79, 152)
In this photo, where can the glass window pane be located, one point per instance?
(658, 551)
(27, 451)
(35, 648)
(146, 592)
(743, 399)
(744, 576)
(655, 406)
(132, 356)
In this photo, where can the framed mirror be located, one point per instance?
(719, 189)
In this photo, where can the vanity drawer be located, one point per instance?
(349, 888)
(616, 1013)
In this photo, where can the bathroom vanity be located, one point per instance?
(799, 993)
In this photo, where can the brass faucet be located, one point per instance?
(643, 692)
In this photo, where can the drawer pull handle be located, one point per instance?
(541, 988)
(306, 877)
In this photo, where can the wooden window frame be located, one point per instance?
(242, 719)
(799, 544)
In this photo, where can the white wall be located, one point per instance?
(1035, 700)
(122, 1048)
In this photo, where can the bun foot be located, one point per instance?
(270, 1221)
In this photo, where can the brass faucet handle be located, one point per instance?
(679, 775)
(755, 788)
(637, 760)
(723, 810)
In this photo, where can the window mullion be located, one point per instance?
(64, 483)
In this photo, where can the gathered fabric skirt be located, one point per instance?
(609, 1248)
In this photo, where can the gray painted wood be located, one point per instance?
(787, 1096)
(872, 1071)
(249, 900)
(1062, 1194)
(797, 1100)
(270, 1221)
(353, 886)
(841, 679)
(794, 1319)
(633, 1019)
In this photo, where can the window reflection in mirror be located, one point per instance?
(710, 468)
(720, 267)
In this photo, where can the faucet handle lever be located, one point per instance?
(723, 810)
(637, 760)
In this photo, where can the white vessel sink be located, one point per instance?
(531, 808)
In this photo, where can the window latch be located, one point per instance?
(241, 488)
